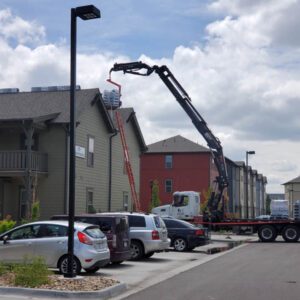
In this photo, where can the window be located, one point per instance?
(158, 222)
(94, 232)
(181, 200)
(27, 232)
(90, 152)
(137, 221)
(90, 201)
(168, 185)
(169, 161)
(52, 230)
(125, 201)
(175, 224)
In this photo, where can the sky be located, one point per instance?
(239, 60)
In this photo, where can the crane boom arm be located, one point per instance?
(140, 68)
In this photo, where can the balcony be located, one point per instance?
(14, 162)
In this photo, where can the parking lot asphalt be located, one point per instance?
(137, 275)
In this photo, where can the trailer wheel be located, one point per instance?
(291, 233)
(267, 233)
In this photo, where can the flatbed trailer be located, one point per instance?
(267, 230)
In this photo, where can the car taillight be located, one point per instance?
(114, 241)
(155, 235)
(200, 232)
(83, 238)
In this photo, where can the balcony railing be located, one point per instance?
(16, 161)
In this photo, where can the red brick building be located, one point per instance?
(178, 164)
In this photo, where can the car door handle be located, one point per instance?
(60, 242)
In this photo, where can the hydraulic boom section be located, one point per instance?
(142, 69)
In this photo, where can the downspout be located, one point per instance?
(110, 171)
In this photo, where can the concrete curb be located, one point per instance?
(106, 293)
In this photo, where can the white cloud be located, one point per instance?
(20, 30)
(244, 81)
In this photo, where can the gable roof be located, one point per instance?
(128, 115)
(176, 144)
(37, 105)
(295, 180)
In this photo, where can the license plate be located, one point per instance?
(99, 245)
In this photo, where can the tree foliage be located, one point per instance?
(155, 201)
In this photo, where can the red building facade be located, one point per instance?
(177, 164)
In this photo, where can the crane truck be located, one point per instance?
(267, 230)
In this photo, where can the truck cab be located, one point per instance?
(185, 206)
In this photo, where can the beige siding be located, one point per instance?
(96, 178)
(120, 181)
(51, 189)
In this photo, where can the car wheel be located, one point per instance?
(291, 234)
(267, 233)
(92, 270)
(180, 244)
(137, 250)
(149, 254)
(63, 265)
(117, 262)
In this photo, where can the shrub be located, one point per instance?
(31, 273)
(3, 269)
(35, 211)
(6, 225)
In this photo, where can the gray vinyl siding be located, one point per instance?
(11, 189)
(51, 188)
(10, 140)
(120, 181)
(96, 177)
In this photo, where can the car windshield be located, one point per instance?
(94, 232)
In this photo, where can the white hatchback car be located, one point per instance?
(49, 239)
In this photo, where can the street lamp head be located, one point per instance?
(87, 12)
(250, 152)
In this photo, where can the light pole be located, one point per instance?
(87, 12)
(247, 201)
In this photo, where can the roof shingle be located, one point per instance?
(176, 144)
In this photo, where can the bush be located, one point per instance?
(31, 273)
(6, 268)
(6, 225)
(3, 269)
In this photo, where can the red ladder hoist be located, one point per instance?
(135, 199)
